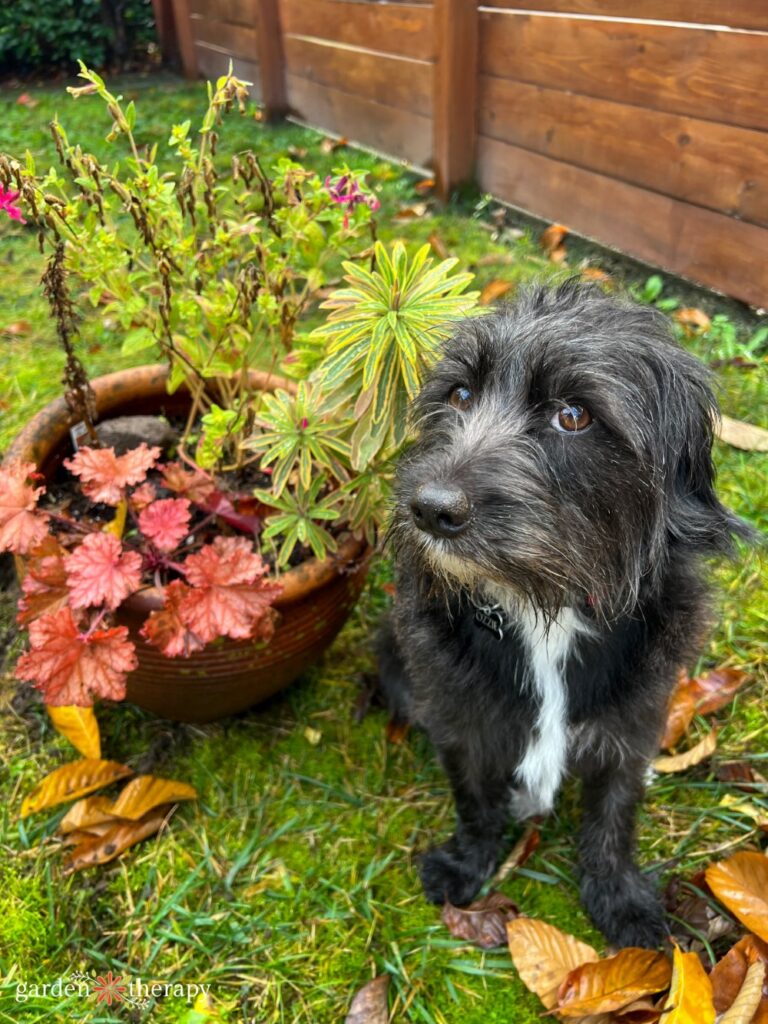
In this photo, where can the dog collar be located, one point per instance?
(491, 617)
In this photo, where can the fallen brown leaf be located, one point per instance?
(493, 291)
(71, 781)
(544, 956)
(688, 758)
(144, 792)
(738, 773)
(553, 236)
(750, 996)
(18, 329)
(411, 212)
(524, 848)
(482, 922)
(396, 730)
(690, 904)
(717, 688)
(86, 813)
(692, 319)
(329, 145)
(595, 274)
(745, 436)
(558, 255)
(682, 708)
(741, 883)
(613, 983)
(690, 995)
(100, 849)
(370, 1004)
(728, 974)
(641, 1012)
(438, 246)
(424, 186)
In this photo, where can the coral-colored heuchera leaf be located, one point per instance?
(22, 527)
(45, 584)
(165, 628)
(101, 572)
(104, 476)
(71, 667)
(187, 484)
(166, 522)
(143, 495)
(229, 596)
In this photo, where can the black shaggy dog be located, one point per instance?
(549, 527)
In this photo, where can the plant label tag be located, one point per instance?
(76, 432)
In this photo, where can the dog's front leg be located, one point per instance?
(618, 897)
(455, 870)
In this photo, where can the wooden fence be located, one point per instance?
(643, 125)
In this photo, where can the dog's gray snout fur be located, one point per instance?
(441, 509)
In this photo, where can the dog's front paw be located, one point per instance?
(625, 908)
(448, 876)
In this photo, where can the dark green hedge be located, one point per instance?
(40, 35)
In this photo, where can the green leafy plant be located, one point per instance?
(726, 344)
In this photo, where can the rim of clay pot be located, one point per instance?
(49, 428)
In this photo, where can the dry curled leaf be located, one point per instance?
(99, 849)
(544, 956)
(493, 291)
(750, 996)
(688, 758)
(370, 1004)
(71, 781)
(144, 792)
(717, 688)
(680, 712)
(79, 726)
(644, 1011)
(692, 319)
(741, 883)
(745, 436)
(690, 995)
(329, 145)
(613, 983)
(524, 848)
(729, 981)
(595, 274)
(552, 237)
(86, 814)
(482, 922)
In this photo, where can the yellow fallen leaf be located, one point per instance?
(741, 883)
(544, 956)
(71, 781)
(690, 995)
(144, 792)
(757, 814)
(86, 813)
(117, 524)
(613, 983)
(743, 1008)
(703, 749)
(79, 726)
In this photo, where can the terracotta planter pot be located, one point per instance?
(229, 675)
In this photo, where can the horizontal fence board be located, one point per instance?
(404, 29)
(748, 14)
(236, 40)
(715, 165)
(399, 133)
(386, 80)
(212, 62)
(701, 72)
(239, 12)
(699, 244)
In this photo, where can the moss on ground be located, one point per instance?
(292, 881)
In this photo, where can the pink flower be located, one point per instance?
(7, 199)
(347, 192)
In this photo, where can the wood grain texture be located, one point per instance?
(236, 40)
(455, 94)
(748, 14)
(699, 244)
(184, 38)
(719, 166)
(238, 12)
(406, 29)
(271, 59)
(391, 81)
(700, 72)
(396, 132)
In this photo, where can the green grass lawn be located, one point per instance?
(292, 881)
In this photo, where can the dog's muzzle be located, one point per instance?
(443, 510)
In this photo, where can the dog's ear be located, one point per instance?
(697, 518)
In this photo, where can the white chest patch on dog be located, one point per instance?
(549, 646)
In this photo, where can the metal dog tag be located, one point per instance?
(491, 617)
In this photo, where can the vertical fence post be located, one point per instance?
(454, 131)
(271, 59)
(184, 40)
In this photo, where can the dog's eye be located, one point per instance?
(461, 398)
(571, 418)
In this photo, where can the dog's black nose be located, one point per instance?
(441, 509)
